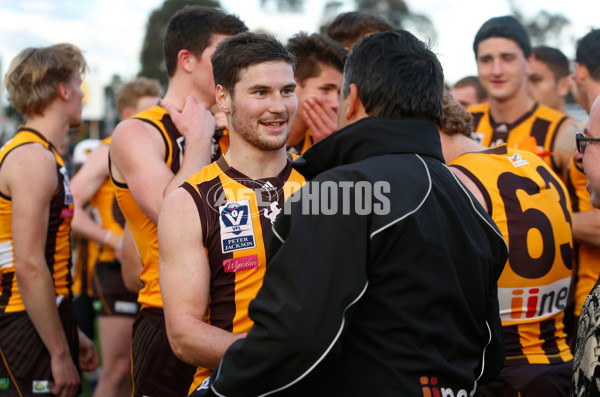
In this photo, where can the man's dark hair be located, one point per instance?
(588, 53)
(397, 76)
(506, 27)
(239, 52)
(556, 61)
(472, 81)
(310, 51)
(348, 27)
(191, 28)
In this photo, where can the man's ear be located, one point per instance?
(63, 91)
(185, 60)
(127, 113)
(581, 72)
(564, 86)
(353, 104)
(529, 64)
(223, 99)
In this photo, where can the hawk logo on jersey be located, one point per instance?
(516, 160)
(275, 210)
(237, 231)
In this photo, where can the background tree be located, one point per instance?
(544, 28)
(396, 12)
(151, 57)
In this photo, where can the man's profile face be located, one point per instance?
(590, 159)
(543, 85)
(203, 69)
(502, 68)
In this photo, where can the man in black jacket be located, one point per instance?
(383, 279)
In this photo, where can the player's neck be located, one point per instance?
(456, 145)
(297, 132)
(256, 163)
(52, 126)
(179, 90)
(510, 110)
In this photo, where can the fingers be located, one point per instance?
(320, 118)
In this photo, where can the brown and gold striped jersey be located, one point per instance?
(58, 246)
(531, 207)
(237, 214)
(541, 122)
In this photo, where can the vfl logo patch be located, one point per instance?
(517, 160)
(41, 386)
(237, 232)
(244, 263)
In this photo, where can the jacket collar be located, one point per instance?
(370, 137)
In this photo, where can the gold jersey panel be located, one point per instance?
(58, 245)
(237, 214)
(541, 122)
(107, 213)
(531, 207)
(303, 145)
(587, 256)
(144, 231)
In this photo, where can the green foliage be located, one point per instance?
(151, 57)
(544, 28)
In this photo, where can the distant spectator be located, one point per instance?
(468, 91)
(348, 27)
(549, 81)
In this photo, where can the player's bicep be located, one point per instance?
(137, 152)
(183, 262)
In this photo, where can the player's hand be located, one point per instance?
(320, 117)
(194, 121)
(88, 357)
(65, 375)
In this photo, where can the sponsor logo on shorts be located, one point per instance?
(237, 232)
(4, 383)
(126, 307)
(243, 263)
(430, 388)
(41, 386)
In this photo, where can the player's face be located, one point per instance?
(591, 157)
(502, 68)
(263, 108)
(542, 85)
(466, 95)
(326, 85)
(75, 100)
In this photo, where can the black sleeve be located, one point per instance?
(316, 274)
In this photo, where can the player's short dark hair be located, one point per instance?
(191, 28)
(588, 53)
(239, 52)
(312, 50)
(472, 81)
(348, 27)
(556, 61)
(506, 27)
(397, 76)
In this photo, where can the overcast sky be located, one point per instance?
(111, 31)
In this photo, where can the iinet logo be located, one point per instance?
(431, 389)
(532, 303)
